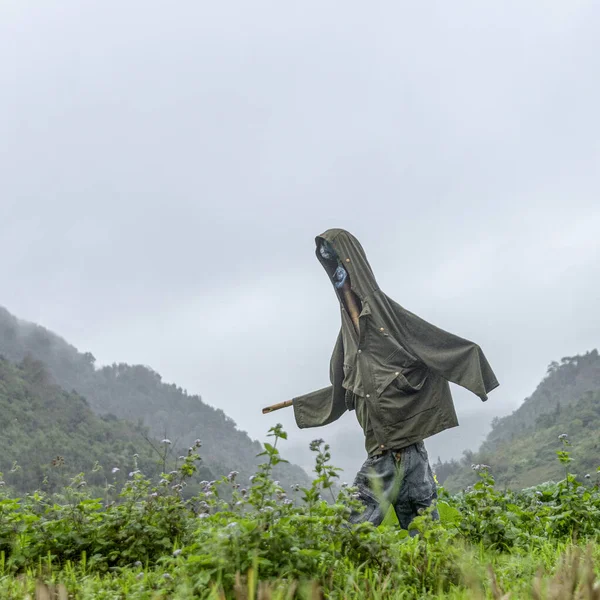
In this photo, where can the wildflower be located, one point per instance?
(167, 442)
(287, 502)
(167, 577)
(538, 493)
(203, 515)
(154, 495)
(132, 473)
(251, 478)
(177, 552)
(140, 576)
(563, 436)
(587, 475)
(315, 444)
(232, 475)
(243, 491)
(239, 503)
(136, 455)
(137, 563)
(197, 443)
(182, 458)
(115, 469)
(231, 525)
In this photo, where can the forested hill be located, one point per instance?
(521, 447)
(137, 393)
(565, 383)
(48, 435)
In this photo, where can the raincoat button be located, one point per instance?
(368, 395)
(381, 329)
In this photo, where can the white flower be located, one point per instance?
(166, 441)
(177, 552)
(115, 469)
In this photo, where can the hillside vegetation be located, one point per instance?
(265, 542)
(138, 394)
(521, 448)
(48, 436)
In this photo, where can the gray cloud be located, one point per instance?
(164, 171)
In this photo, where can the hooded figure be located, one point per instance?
(392, 368)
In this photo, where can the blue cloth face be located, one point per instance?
(340, 275)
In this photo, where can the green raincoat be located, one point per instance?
(395, 372)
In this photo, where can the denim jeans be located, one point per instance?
(402, 479)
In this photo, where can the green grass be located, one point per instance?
(151, 542)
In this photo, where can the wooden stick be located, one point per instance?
(351, 303)
(269, 409)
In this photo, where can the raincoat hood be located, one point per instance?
(351, 256)
(394, 369)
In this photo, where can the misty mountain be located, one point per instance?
(521, 447)
(47, 435)
(138, 394)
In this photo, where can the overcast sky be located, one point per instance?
(165, 167)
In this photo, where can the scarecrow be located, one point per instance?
(392, 369)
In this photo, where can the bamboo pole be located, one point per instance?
(268, 409)
(351, 303)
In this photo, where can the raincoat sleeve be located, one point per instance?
(453, 358)
(327, 404)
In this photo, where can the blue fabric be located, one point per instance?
(340, 275)
(402, 479)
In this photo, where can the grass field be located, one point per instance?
(254, 540)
